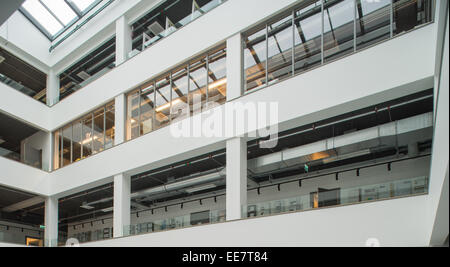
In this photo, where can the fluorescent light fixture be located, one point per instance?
(200, 188)
(217, 83)
(2, 59)
(1, 141)
(166, 106)
(108, 209)
(86, 207)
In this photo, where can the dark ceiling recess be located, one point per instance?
(9, 197)
(84, 71)
(12, 132)
(22, 76)
(175, 10)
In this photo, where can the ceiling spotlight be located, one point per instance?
(389, 166)
(182, 205)
(103, 221)
(299, 183)
(357, 172)
(74, 227)
(279, 187)
(137, 215)
(152, 212)
(92, 224)
(337, 176)
(215, 199)
(259, 191)
(165, 208)
(201, 203)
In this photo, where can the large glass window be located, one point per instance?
(373, 20)
(339, 22)
(255, 55)
(147, 111)
(280, 42)
(133, 115)
(163, 103)
(217, 78)
(178, 94)
(52, 17)
(321, 31)
(307, 37)
(85, 137)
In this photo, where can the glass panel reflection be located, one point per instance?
(255, 55)
(109, 126)
(372, 22)
(308, 37)
(133, 115)
(197, 85)
(280, 44)
(67, 145)
(99, 128)
(87, 136)
(217, 88)
(180, 92)
(163, 103)
(147, 108)
(339, 29)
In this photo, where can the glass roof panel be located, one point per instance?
(42, 16)
(53, 16)
(61, 10)
(83, 4)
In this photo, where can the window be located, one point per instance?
(52, 17)
(178, 94)
(318, 31)
(84, 137)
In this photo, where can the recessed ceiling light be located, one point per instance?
(1, 141)
(2, 59)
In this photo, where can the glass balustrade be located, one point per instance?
(323, 198)
(178, 222)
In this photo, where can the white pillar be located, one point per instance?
(439, 184)
(51, 222)
(236, 182)
(122, 211)
(52, 88)
(120, 119)
(123, 40)
(235, 67)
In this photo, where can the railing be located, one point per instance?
(339, 197)
(200, 218)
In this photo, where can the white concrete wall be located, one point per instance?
(399, 222)
(23, 177)
(41, 141)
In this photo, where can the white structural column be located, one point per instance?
(120, 119)
(122, 192)
(439, 185)
(52, 88)
(235, 67)
(51, 222)
(236, 182)
(123, 40)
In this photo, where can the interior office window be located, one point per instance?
(147, 108)
(308, 37)
(180, 92)
(197, 84)
(98, 131)
(133, 115)
(255, 56)
(87, 136)
(373, 22)
(217, 88)
(67, 145)
(109, 125)
(77, 140)
(163, 102)
(407, 14)
(280, 42)
(338, 22)
(57, 150)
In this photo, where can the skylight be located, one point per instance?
(52, 17)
